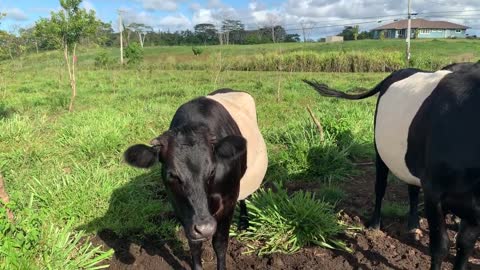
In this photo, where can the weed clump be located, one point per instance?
(103, 60)
(283, 223)
(197, 51)
(134, 53)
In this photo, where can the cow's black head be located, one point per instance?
(194, 165)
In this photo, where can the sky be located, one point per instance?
(318, 17)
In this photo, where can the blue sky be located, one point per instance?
(325, 17)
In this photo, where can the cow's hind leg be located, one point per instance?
(466, 238)
(243, 218)
(413, 220)
(380, 186)
(438, 231)
(196, 251)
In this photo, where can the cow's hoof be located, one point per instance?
(415, 234)
(373, 224)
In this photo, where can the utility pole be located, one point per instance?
(409, 30)
(303, 30)
(120, 29)
(273, 32)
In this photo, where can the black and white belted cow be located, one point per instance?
(212, 155)
(426, 134)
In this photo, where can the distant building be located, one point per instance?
(421, 29)
(330, 39)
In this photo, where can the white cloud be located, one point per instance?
(215, 4)
(178, 21)
(15, 14)
(133, 16)
(165, 5)
(195, 6)
(88, 6)
(203, 16)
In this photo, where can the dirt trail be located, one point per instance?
(391, 248)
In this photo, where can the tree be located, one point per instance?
(292, 38)
(29, 39)
(350, 32)
(11, 45)
(206, 32)
(104, 35)
(233, 29)
(365, 35)
(68, 26)
(141, 30)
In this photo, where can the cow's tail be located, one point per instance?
(326, 91)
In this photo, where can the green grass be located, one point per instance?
(394, 210)
(69, 164)
(64, 171)
(331, 194)
(362, 55)
(283, 223)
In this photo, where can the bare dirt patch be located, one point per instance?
(391, 248)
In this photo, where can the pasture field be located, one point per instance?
(74, 198)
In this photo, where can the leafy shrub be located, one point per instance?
(283, 223)
(134, 53)
(197, 50)
(103, 60)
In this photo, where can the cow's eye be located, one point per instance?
(174, 178)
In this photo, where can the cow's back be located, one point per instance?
(241, 107)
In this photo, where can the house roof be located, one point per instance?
(421, 24)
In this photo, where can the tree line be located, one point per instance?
(41, 37)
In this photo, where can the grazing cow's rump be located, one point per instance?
(241, 107)
(427, 133)
(212, 152)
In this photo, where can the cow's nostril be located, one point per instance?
(205, 229)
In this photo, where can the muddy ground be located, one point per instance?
(391, 248)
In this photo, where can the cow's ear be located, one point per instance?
(160, 144)
(140, 155)
(231, 148)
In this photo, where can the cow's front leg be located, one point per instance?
(220, 241)
(196, 252)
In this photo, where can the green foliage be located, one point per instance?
(30, 243)
(103, 60)
(350, 32)
(332, 194)
(71, 163)
(303, 155)
(382, 35)
(68, 26)
(394, 210)
(134, 53)
(197, 50)
(310, 61)
(283, 223)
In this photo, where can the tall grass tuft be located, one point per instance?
(31, 243)
(310, 61)
(283, 223)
